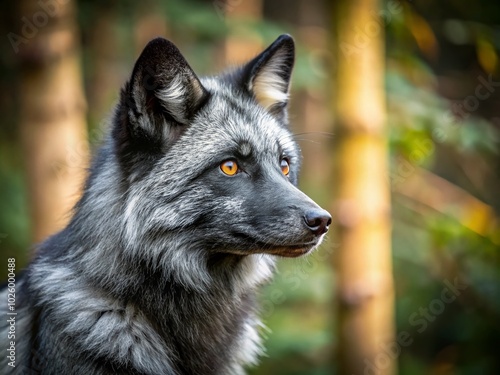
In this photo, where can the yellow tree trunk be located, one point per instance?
(362, 204)
(52, 118)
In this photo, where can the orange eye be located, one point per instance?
(229, 167)
(285, 167)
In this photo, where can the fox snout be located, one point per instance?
(318, 221)
(288, 222)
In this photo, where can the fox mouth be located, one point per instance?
(287, 250)
(292, 251)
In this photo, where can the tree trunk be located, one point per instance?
(362, 206)
(52, 118)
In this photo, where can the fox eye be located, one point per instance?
(285, 166)
(229, 167)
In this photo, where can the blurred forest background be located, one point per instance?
(396, 106)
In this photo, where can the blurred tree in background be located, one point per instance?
(365, 292)
(52, 120)
(442, 83)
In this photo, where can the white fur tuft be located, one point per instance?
(268, 85)
(173, 97)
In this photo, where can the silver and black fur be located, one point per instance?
(157, 271)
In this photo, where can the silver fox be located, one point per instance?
(188, 203)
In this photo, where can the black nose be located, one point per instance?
(318, 221)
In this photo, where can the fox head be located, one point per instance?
(209, 165)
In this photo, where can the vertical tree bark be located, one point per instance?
(364, 269)
(52, 118)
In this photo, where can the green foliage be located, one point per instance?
(430, 247)
(417, 116)
(14, 223)
(299, 300)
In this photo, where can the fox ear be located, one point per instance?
(268, 75)
(162, 94)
